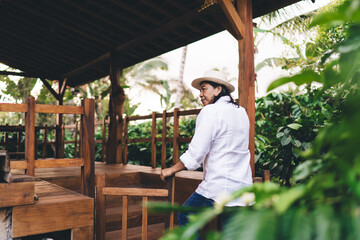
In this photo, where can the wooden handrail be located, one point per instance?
(13, 107)
(140, 192)
(58, 109)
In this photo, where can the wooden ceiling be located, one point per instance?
(58, 39)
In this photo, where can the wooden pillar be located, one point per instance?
(176, 136)
(103, 140)
(30, 136)
(116, 104)
(59, 144)
(45, 141)
(153, 140)
(126, 139)
(163, 140)
(246, 81)
(88, 147)
(100, 212)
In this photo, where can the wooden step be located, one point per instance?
(155, 231)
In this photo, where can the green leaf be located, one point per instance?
(308, 76)
(294, 126)
(288, 197)
(285, 140)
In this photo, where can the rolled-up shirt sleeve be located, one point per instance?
(200, 144)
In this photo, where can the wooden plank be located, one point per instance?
(58, 109)
(153, 140)
(176, 136)
(124, 227)
(18, 164)
(45, 141)
(88, 147)
(103, 140)
(189, 112)
(144, 228)
(100, 207)
(150, 192)
(267, 176)
(59, 162)
(14, 194)
(82, 233)
(56, 214)
(126, 139)
(30, 136)
(13, 107)
(246, 81)
(236, 24)
(163, 140)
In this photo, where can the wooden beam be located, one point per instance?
(236, 24)
(30, 136)
(63, 88)
(21, 74)
(246, 81)
(48, 86)
(88, 147)
(16, 194)
(100, 213)
(150, 192)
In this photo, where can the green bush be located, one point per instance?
(287, 123)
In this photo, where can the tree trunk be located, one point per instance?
(180, 87)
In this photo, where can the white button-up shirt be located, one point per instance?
(221, 143)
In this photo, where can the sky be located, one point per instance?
(221, 51)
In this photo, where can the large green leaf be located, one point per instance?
(307, 76)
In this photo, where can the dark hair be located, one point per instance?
(224, 92)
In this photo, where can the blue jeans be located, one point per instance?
(195, 200)
(198, 200)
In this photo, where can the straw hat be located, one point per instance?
(213, 76)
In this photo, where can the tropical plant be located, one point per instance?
(285, 124)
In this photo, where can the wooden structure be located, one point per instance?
(75, 43)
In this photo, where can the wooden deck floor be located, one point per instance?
(56, 209)
(61, 180)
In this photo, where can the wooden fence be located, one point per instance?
(85, 161)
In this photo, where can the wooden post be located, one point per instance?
(170, 184)
(6, 138)
(88, 147)
(30, 136)
(59, 144)
(82, 233)
(103, 141)
(267, 176)
(76, 139)
(153, 140)
(163, 141)
(176, 136)
(124, 218)
(144, 219)
(100, 214)
(246, 81)
(126, 139)
(116, 104)
(18, 143)
(45, 142)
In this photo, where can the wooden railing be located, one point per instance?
(175, 139)
(102, 191)
(85, 161)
